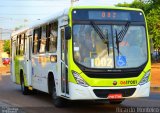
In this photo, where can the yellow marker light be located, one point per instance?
(30, 88)
(53, 58)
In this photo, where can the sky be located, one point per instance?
(14, 13)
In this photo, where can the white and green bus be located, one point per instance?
(84, 53)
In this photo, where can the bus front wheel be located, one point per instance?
(57, 101)
(24, 89)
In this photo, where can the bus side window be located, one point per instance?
(43, 40)
(35, 41)
(25, 44)
(17, 45)
(22, 44)
(19, 42)
(62, 45)
(52, 38)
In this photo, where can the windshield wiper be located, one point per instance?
(121, 34)
(117, 42)
(101, 35)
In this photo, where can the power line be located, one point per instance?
(34, 6)
(5, 33)
(22, 14)
(12, 19)
(37, 0)
(5, 29)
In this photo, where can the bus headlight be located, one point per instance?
(145, 78)
(79, 79)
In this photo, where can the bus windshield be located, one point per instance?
(90, 49)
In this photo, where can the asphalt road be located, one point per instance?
(42, 103)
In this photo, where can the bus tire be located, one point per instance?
(115, 101)
(24, 89)
(57, 101)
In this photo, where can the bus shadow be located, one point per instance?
(42, 102)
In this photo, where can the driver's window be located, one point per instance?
(90, 49)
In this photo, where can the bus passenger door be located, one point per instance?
(28, 59)
(64, 63)
(27, 63)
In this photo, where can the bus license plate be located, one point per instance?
(114, 96)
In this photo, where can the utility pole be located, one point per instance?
(72, 1)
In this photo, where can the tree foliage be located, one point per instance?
(151, 9)
(6, 47)
(153, 19)
(19, 27)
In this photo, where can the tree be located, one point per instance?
(153, 19)
(123, 4)
(19, 27)
(151, 9)
(145, 5)
(6, 47)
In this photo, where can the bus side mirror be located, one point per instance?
(67, 33)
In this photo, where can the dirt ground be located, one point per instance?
(4, 69)
(155, 72)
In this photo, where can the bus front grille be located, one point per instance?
(103, 93)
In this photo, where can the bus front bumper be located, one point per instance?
(78, 92)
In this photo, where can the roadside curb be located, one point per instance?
(155, 88)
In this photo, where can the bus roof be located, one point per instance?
(40, 22)
(106, 7)
(63, 12)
